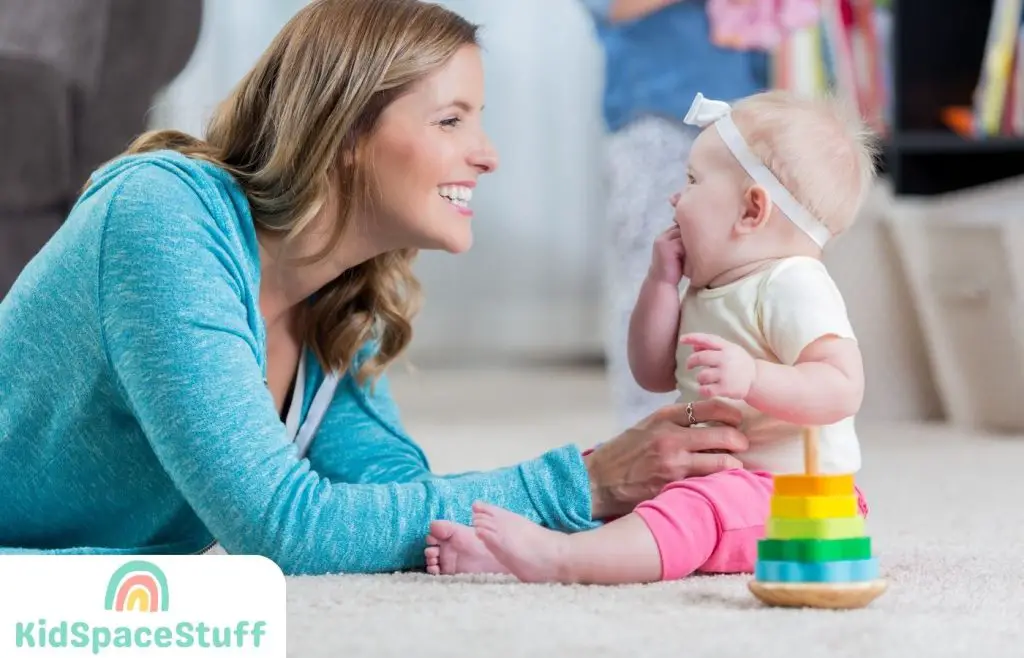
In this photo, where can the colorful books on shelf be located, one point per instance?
(845, 54)
(998, 102)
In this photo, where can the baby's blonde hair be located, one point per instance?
(818, 149)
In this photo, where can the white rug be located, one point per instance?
(946, 520)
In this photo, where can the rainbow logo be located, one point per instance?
(138, 586)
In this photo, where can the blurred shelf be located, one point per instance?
(936, 51)
(937, 141)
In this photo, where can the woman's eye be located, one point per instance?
(450, 123)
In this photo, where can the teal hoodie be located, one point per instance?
(134, 417)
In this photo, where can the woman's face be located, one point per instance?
(426, 155)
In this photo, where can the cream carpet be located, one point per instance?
(947, 520)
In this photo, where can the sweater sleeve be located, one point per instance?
(362, 441)
(180, 341)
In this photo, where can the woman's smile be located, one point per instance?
(458, 195)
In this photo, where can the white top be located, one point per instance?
(303, 434)
(774, 314)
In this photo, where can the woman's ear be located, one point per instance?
(346, 155)
(352, 150)
(757, 208)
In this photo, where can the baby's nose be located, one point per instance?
(674, 199)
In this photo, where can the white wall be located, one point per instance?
(530, 285)
(233, 35)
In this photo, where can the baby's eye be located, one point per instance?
(690, 179)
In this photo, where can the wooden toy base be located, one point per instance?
(818, 595)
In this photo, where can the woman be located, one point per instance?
(658, 55)
(197, 355)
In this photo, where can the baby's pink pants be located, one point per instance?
(711, 524)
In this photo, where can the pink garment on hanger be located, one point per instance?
(758, 24)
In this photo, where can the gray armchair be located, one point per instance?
(77, 78)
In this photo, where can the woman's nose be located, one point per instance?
(485, 158)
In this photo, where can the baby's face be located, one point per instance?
(708, 206)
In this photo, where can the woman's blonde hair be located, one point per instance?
(303, 114)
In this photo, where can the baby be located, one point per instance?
(761, 325)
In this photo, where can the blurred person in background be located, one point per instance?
(658, 55)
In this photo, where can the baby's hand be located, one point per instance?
(729, 370)
(667, 259)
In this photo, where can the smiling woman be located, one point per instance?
(431, 144)
(198, 354)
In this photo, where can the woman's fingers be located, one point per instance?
(704, 439)
(709, 463)
(704, 411)
(715, 411)
(637, 463)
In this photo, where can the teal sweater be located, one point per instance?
(134, 417)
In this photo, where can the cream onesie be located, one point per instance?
(774, 314)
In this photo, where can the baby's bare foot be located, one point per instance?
(454, 548)
(531, 552)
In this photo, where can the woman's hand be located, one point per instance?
(662, 448)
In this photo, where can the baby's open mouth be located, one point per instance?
(457, 195)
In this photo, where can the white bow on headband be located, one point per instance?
(704, 112)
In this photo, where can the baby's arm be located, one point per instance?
(824, 386)
(653, 334)
(818, 376)
(654, 323)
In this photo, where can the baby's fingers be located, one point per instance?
(709, 376)
(704, 358)
(711, 391)
(702, 341)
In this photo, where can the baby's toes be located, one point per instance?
(432, 555)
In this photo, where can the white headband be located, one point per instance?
(705, 112)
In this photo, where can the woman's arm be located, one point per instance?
(620, 11)
(180, 341)
(361, 439)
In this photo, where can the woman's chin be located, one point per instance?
(454, 242)
(453, 231)
(459, 245)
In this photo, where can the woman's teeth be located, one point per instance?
(456, 194)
